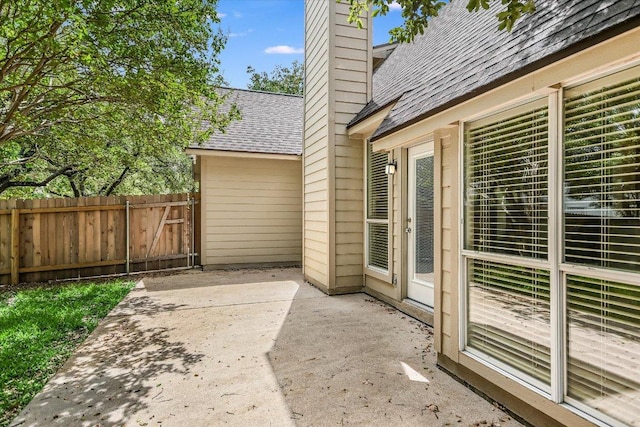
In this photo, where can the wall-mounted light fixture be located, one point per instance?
(390, 168)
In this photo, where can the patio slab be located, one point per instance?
(255, 347)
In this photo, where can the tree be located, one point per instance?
(109, 162)
(416, 13)
(281, 79)
(91, 90)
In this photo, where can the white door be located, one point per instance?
(420, 225)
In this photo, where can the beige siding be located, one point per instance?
(316, 132)
(349, 212)
(252, 211)
(350, 92)
(337, 87)
(398, 225)
(447, 221)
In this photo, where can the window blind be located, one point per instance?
(424, 210)
(378, 245)
(506, 158)
(603, 330)
(602, 172)
(377, 186)
(377, 210)
(509, 315)
(506, 197)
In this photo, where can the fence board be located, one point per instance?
(81, 237)
(5, 237)
(97, 237)
(65, 229)
(27, 234)
(38, 238)
(15, 246)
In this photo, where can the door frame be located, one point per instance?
(429, 148)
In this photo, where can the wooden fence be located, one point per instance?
(52, 239)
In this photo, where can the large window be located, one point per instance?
(553, 267)
(602, 231)
(602, 172)
(506, 196)
(377, 211)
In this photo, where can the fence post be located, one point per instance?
(127, 237)
(192, 232)
(15, 246)
(186, 229)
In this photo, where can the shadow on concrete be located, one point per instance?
(265, 353)
(113, 374)
(196, 278)
(352, 359)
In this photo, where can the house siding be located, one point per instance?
(351, 57)
(253, 211)
(337, 87)
(316, 132)
(447, 220)
(397, 226)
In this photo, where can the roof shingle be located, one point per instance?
(270, 123)
(463, 54)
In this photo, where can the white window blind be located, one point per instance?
(377, 186)
(602, 172)
(506, 197)
(509, 315)
(377, 210)
(378, 245)
(602, 230)
(597, 220)
(603, 330)
(424, 233)
(506, 159)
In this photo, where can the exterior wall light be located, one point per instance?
(390, 168)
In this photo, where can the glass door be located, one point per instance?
(420, 225)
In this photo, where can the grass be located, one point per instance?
(40, 328)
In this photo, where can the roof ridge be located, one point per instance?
(261, 91)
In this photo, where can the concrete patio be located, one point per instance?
(255, 348)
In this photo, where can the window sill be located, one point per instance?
(383, 275)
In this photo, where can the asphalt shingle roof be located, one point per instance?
(464, 54)
(271, 123)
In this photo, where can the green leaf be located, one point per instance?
(106, 88)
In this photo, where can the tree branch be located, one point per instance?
(5, 185)
(117, 182)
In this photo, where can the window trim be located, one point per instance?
(369, 270)
(558, 269)
(547, 391)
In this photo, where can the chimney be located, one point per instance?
(338, 67)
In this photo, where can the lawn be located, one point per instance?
(40, 328)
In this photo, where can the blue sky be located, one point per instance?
(266, 33)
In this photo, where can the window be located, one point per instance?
(603, 343)
(602, 231)
(506, 166)
(506, 196)
(509, 316)
(588, 279)
(602, 173)
(377, 211)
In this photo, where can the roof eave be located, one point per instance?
(208, 152)
(586, 43)
(367, 126)
(357, 120)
